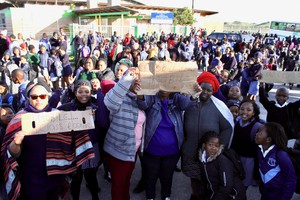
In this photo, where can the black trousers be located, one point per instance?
(162, 168)
(90, 176)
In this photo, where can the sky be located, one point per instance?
(252, 11)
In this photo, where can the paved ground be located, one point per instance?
(181, 184)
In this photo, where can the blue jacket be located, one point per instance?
(152, 106)
(278, 174)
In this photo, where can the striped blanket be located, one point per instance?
(65, 152)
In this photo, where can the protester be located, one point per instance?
(5, 95)
(6, 114)
(272, 142)
(163, 139)
(124, 135)
(87, 73)
(213, 163)
(103, 72)
(281, 111)
(254, 74)
(234, 95)
(67, 69)
(89, 168)
(211, 115)
(18, 77)
(35, 178)
(246, 127)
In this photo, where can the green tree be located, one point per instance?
(183, 16)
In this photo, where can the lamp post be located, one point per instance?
(193, 5)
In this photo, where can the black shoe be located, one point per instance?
(91, 189)
(177, 169)
(193, 197)
(139, 188)
(94, 191)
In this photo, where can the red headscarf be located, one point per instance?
(208, 77)
(106, 85)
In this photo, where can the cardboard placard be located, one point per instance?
(168, 76)
(269, 76)
(57, 121)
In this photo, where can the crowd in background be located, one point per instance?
(37, 76)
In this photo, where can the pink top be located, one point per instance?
(139, 129)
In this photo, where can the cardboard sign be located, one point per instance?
(168, 76)
(57, 121)
(269, 76)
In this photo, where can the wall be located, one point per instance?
(37, 19)
(6, 21)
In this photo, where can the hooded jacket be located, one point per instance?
(219, 174)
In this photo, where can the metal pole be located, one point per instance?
(193, 5)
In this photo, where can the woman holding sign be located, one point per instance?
(163, 139)
(124, 136)
(34, 166)
(82, 101)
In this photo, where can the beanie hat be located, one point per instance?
(23, 45)
(124, 61)
(207, 77)
(82, 82)
(258, 54)
(31, 85)
(106, 85)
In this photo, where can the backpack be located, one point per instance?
(294, 154)
(55, 66)
(237, 163)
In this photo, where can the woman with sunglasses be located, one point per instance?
(34, 166)
(82, 101)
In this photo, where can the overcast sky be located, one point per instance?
(256, 11)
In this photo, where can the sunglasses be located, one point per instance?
(42, 96)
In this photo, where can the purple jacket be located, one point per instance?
(278, 175)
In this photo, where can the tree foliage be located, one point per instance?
(183, 16)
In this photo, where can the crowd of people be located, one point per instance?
(37, 76)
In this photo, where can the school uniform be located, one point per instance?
(277, 173)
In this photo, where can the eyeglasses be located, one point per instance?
(42, 96)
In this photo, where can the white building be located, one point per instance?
(34, 17)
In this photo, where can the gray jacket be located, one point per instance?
(198, 121)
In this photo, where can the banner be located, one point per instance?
(57, 121)
(168, 76)
(269, 76)
(162, 18)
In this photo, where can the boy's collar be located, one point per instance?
(281, 106)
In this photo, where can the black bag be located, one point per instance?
(294, 154)
(235, 159)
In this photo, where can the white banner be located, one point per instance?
(57, 121)
(269, 76)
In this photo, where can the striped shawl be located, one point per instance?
(65, 152)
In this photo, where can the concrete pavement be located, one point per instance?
(181, 189)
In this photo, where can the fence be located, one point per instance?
(106, 31)
(136, 30)
(250, 29)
